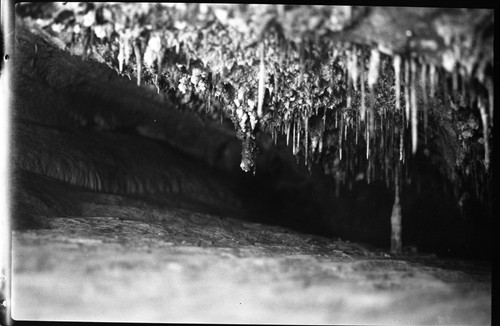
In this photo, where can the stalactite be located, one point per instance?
(454, 76)
(372, 112)
(484, 120)
(491, 96)
(302, 65)
(158, 85)
(127, 51)
(306, 137)
(138, 60)
(159, 61)
(423, 78)
(299, 131)
(407, 90)
(357, 130)
(414, 117)
(367, 142)
(393, 134)
(346, 125)
(373, 75)
(121, 54)
(348, 66)
(463, 85)
(432, 78)
(276, 88)
(352, 67)
(349, 94)
(262, 80)
(355, 71)
(320, 145)
(373, 72)
(401, 139)
(341, 131)
(362, 113)
(396, 241)
(397, 73)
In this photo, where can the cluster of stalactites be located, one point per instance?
(358, 111)
(418, 87)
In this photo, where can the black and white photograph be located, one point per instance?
(244, 163)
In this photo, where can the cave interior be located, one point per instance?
(371, 125)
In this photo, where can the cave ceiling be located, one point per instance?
(355, 90)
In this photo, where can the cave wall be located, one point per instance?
(75, 122)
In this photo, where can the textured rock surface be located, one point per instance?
(129, 210)
(306, 62)
(84, 107)
(76, 122)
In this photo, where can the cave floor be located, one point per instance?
(144, 263)
(127, 260)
